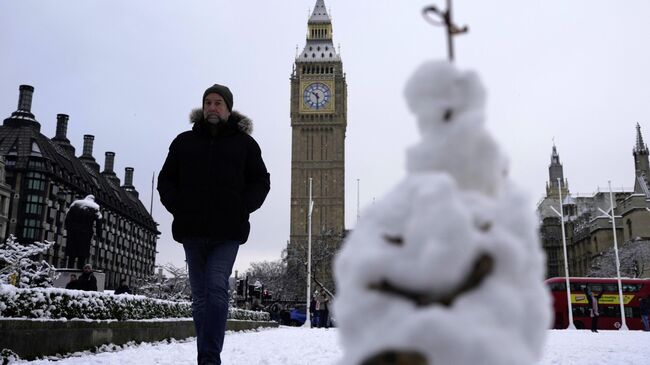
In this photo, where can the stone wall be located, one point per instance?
(33, 338)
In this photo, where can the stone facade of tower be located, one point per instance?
(589, 233)
(318, 123)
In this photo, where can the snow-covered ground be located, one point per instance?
(298, 346)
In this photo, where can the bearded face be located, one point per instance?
(215, 109)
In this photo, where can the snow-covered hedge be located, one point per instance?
(246, 315)
(54, 303)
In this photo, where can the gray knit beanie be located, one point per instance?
(221, 90)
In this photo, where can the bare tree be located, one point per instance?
(286, 278)
(272, 274)
(174, 287)
(324, 248)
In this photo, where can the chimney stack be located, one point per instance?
(88, 145)
(23, 117)
(62, 126)
(128, 182)
(128, 177)
(109, 162)
(25, 98)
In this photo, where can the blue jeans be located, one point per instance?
(210, 264)
(646, 325)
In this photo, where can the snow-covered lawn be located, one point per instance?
(298, 346)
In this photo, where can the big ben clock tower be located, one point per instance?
(318, 122)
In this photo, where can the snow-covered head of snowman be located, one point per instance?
(439, 94)
(449, 104)
(439, 269)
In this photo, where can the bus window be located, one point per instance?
(609, 311)
(596, 288)
(557, 286)
(612, 288)
(614, 312)
(580, 311)
(631, 288)
(578, 287)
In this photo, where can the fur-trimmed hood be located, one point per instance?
(244, 123)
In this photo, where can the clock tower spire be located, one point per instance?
(318, 123)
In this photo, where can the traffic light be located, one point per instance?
(240, 288)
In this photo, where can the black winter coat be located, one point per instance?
(87, 281)
(122, 289)
(212, 179)
(79, 222)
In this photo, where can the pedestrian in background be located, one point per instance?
(87, 281)
(123, 288)
(213, 178)
(72, 284)
(592, 299)
(644, 306)
(323, 309)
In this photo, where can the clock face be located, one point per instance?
(317, 95)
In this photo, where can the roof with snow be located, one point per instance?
(26, 149)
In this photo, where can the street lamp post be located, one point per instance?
(566, 260)
(358, 201)
(307, 323)
(618, 263)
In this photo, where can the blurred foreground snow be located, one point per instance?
(299, 346)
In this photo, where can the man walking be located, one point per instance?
(212, 179)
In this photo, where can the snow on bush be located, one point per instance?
(447, 268)
(18, 268)
(55, 303)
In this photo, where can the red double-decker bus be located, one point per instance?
(608, 304)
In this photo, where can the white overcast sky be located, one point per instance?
(129, 72)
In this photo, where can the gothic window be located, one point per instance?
(322, 55)
(629, 228)
(310, 151)
(313, 55)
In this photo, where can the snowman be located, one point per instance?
(447, 267)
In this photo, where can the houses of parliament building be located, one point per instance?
(588, 231)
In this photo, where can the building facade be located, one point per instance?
(589, 232)
(318, 123)
(43, 177)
